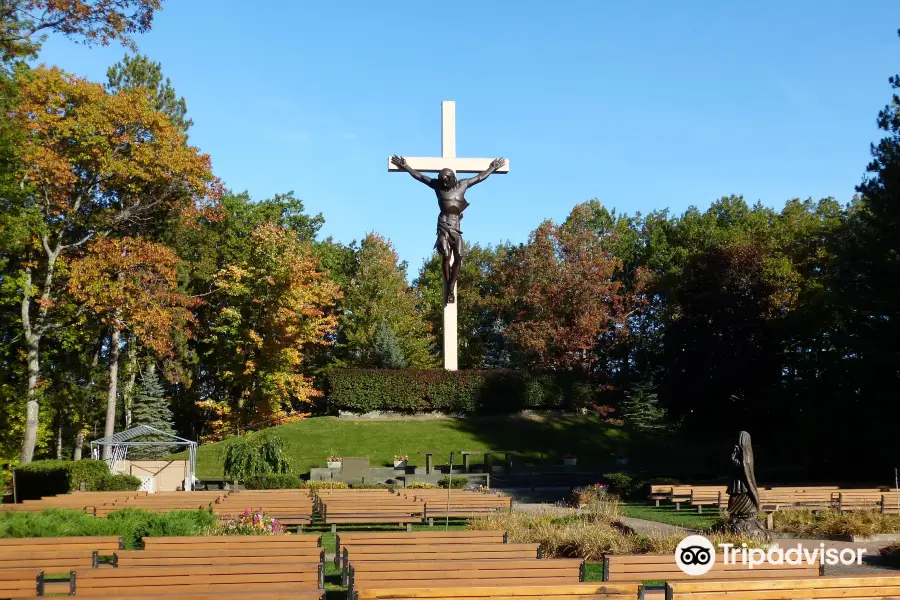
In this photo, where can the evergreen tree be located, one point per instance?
(151, 407)
(388, 353)
(641, 409)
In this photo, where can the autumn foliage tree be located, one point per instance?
(23, 23)
(561, 298)
(92, 164)
(272, 308)
(131, 285)
(377, 293)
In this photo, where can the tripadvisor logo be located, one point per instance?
(696, 555)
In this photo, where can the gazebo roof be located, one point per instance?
(126, 437)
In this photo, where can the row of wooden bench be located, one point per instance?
(379, 565)
(350, 506)
(858, 588)
(778, 498)
(291, 507)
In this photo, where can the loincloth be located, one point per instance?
(448, 237)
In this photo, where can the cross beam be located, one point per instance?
(448, 159)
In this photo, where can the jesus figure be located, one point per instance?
(451, 196)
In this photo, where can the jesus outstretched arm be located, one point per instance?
(497, 163)
(400, 162)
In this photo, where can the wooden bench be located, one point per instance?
(173, 557)
(652, 567)
(859, 588)
(859, 500)
(701, 497)
(83, 501)
(659, 493)
(579, 591)
(290, 507)
(354, 554)
(49, 560)
(155, 581)
(399, 511)
(389, 539)
(461, 573)
(287, 594)
(105, 545)
(224, 542)
(20, 583)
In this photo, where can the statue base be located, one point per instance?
(746, 526)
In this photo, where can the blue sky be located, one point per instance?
(643, 105)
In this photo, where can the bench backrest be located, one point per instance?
(218, 556)
(19, 583)
(652, 567)
(557, 592)
(785, 589)
(231, 541)
(388, 538)
(49, 561)
(104, 544)
(460, 572)
(199, 578)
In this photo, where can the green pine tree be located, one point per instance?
(641, 409)
(388, 353)
(151, 407)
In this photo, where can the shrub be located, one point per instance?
(832, 523)
(422, 485)
(324, 485)
(457, 483)
(131, 524)
(273, 481)
(621, 484)
(890, 554)
(587, 535)
(589, 494)
(374, 486)
(117, 483)
(460, 392)
(52, 477)
(256, 454)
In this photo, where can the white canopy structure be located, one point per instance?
(122, 441)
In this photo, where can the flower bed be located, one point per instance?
(250, 523)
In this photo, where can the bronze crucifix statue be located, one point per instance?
(451, 196)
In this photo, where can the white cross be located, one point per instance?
(447, 159)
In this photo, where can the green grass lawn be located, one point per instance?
(666, 513)
(311, 441)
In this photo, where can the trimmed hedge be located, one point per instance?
(459, 392)
(457, 483)
(51, 477)
(117, 483)
(273, 481)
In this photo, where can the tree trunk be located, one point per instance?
(79, 444)
(110, 429)
(59, 436)
(32, 334)
(83, 426)
(128, 392)
(32, 410)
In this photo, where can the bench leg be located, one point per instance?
(699, 510)
(657, 502)
(431, 521)
(409, 527)
(333, 528)
(678, 506)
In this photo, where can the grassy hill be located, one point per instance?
(311, 441)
